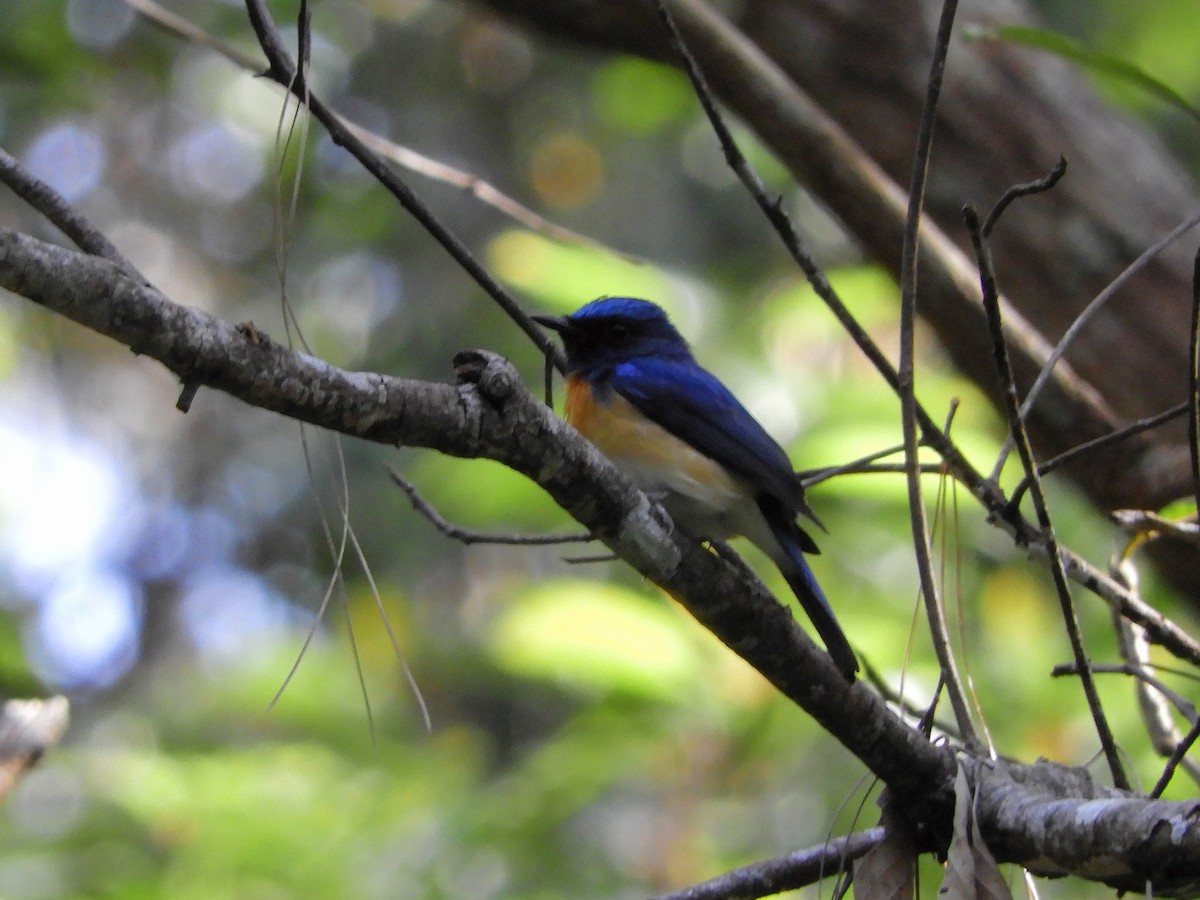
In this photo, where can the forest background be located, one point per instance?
(585, 736)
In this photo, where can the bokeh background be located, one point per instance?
(585, 737)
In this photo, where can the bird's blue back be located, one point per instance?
(655, 371)
(634, 387)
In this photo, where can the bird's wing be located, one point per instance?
(697, 408)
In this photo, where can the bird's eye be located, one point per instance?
(619, 330)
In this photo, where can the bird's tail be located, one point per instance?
(804, 585)
(791, 542)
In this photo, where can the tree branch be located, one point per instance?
(489, 414)
(786, 873)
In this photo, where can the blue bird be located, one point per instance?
(636, 392)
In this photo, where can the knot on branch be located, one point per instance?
(1055, 820)
(492, 374)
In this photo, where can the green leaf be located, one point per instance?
(1053, 42)
(1179, 509)
(641, 97)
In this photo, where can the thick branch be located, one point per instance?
(1055, 820)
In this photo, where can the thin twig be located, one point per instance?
(1154, 698)
(54, 206)
(796, 870)
(991, 304)
(928, 720)
(548, 381)
(809, 477)
(906, 371)
(1181, 750)
(1086, 316)
(282, 71)
(435, 169)
(1098, 443)
(465, 536)
(863, 465)
(483, 191)
(1148, 524)
(480, 189)
(589, 560)
(924, 715)
(1194, 383)
(182, 28)
(1165, 632)
(1015, 192)
(1185, 707)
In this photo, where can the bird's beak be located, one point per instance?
(554, 323)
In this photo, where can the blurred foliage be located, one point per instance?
(587, 739)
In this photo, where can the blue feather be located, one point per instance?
(629, 346)
(697, 408)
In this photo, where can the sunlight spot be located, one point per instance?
(86, 630)
(60, 513)
(68, 157)
(231, 614)
(217, 162)
(99, 24)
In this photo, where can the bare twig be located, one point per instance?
(482, 190)
(465, 536)
(864, 465)
(182, 28)
(1154, 698)
(1086, 316)
(925, 716)
(810, 477)
(282, 70)
(1049, 539)
(1185, 707)
(1037, 186)
(1194, 383)
(51, 204)
(906, 381)
(1149, 524)
(1163, 631)
(786, 873)
(1177, 756)
(1105, 440)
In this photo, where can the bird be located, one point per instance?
(634, 389)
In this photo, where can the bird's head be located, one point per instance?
(612, 330)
